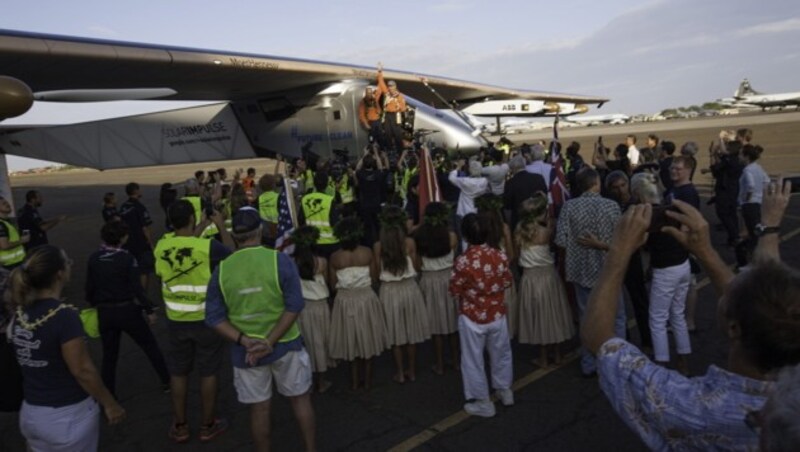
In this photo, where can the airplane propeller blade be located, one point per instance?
(103, 95)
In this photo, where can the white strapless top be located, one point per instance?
(535, 256)
(315, 289)
(408, 273)
(432, 264)
(353, 278)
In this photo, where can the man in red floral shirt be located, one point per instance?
(480, 278)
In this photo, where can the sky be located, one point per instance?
(644, 55)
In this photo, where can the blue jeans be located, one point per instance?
(620, 324)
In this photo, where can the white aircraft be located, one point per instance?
(615, 118)
(523, 107)
(265, 105)
(746, 96)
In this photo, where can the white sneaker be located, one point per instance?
(482, 408)
(506, 396)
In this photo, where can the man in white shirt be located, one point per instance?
(471, 187)
(496, 174)
(537, 164)
(633, 152)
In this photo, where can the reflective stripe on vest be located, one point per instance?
(317, 211)
(250, 286)
(184, 307)
(183, 264)
(16, 254)
(268, 206)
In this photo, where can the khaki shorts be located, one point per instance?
(292, 374)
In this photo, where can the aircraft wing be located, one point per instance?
(54, 63)
(197, 134)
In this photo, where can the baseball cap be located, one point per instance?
(391, 83)
(245, 220)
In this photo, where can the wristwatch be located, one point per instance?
(762, 230)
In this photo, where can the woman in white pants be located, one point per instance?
(61, 385)
(670, 284)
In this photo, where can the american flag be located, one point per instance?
(558, 186)
(287, 218)
(428, 189)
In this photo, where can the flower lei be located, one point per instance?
(440, 219)
(353, 234)
(489, 203)
(306, 236)
(22, 318)
(393, 217)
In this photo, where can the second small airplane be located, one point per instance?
(746, 96)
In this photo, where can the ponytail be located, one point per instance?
(38, 271)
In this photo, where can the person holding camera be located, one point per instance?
(670, 282)
(370, 180)
(726, 169)
(757, 311)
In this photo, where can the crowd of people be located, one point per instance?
(525, 244)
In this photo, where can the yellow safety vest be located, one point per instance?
(197, 203)
(307, 177)
(317, 210)
(268, 206)
(16, 254)
(251, 288)
(184, 266)
(402, 180)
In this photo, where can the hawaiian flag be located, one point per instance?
(287, 218)
(558, 184)
(428, 188)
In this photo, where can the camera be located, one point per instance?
(339, 163)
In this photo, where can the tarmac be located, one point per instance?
(555, 410)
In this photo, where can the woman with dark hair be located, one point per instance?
(545, 317)
(758, 312)
(751, 192)
(436, 245)
(61, 385)
(315, 319)
(480, 277)
(402, 301)
(358, 329)
(490, 210)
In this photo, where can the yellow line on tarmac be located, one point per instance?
(461, 416)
